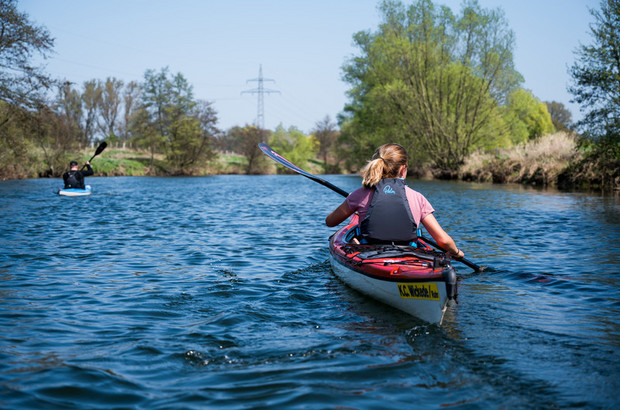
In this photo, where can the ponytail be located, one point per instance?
(385, 163)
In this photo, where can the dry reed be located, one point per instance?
(538, 162)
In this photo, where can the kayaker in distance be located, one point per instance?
(389, 211)
(74, 178)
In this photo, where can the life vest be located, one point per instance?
(74, 179)
(389, 217)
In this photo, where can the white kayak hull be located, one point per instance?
(425, 300)
(75, 191)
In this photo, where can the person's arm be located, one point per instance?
(441, 237)
(338, 215)
(89, 170)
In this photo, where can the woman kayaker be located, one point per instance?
(74, 178)
(389, 211)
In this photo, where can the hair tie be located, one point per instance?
(381, 158)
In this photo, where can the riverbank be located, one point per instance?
(554, 160)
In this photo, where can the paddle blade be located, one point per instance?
(283, 161)
(267, 150)
(100, 148)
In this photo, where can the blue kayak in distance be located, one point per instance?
(75, 191)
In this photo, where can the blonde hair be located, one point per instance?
(385, 163)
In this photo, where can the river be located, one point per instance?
(215, 292)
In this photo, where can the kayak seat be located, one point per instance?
(355, 236)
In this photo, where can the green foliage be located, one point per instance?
(118, 166)
(326, 134)
(429, 80)
(560, 116)
(596, 87)
(294, 145)
(22, 84)
(170, 120)
(596, 76)
(109, 107)
(245, 142)
(527, 117)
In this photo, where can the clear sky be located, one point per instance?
(301, 44)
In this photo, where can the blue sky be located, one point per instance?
(301, 44)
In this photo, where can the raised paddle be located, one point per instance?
(267, 150)
(99, 150)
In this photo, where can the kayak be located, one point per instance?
(75, 191)
(415, 279)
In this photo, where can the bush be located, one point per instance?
(538, 162)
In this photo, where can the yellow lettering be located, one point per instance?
(418, 291)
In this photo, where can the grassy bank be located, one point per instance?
(552, 160)
(131, 162)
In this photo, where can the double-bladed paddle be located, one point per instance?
(267, 150)
(99, 150)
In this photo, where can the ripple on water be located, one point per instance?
(166, 293)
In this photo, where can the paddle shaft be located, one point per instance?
(99, 150)
(283, 161)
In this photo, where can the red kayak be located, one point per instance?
(415, 279)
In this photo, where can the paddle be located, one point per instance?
(267, 150)
(99, 150)
(283, 161)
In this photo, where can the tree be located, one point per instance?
(109, 107)
(146, 134)
(131, 94)
(158, 110)
(430, 80)
(68, 105)
(326, 134)
(530, 118)
(170, 120)
(91, 101)
(293, 145)
(596, 78)
(596, 87)
(192, 137)
(14, 141)
(245, 142)
(21, 82)
(55, 135)
(560, 116)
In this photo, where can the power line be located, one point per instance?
(261, 91)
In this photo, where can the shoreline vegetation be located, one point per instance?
(554, 160)
(441, 84)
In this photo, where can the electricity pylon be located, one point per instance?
(261, 91)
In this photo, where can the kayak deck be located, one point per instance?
(417, 280)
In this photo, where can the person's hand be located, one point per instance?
(87, 162)
(458, 255)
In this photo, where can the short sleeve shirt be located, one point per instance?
(360, 199)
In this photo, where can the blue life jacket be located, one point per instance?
(389, 217)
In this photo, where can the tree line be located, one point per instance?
(46, 117)
(159, 114)
(444, 86)
(441, 84)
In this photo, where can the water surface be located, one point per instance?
(215, 292)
